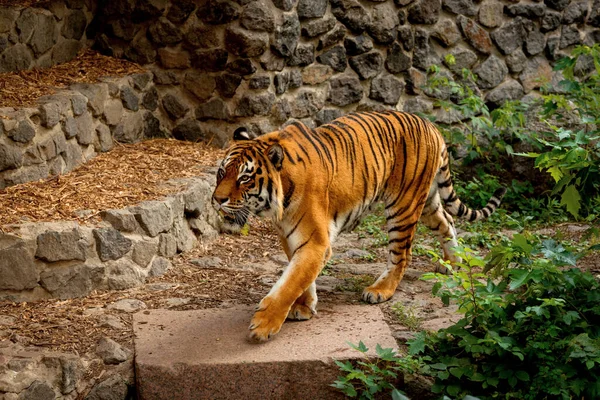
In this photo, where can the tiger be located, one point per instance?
(315, 183)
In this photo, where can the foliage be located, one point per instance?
(370, 376)
(407, 316)
(374, 225)
(533, 333)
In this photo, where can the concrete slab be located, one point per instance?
(204, 354)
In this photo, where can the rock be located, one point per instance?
(463, 58)
(174, 107)
(384, 21)
(351, 14)
(130, 130)
(112, 322)
(111, 244)
(491, 72)
(516, 61)
(537, 71)
(257, 16)
(569, 36)
(315, 74)
(367, 65)
(415, 81)
(285, 38)
(213, 109)
(50, 114)
(335, 58)
(97, 95)
(490, 14)
(69, 282)
(387, 89)
(199, 84)
(535, 43)
(327, 115)
(10, 157)
(143, 252)
(594, 18)
(38, 390)
(113, 111)
(530, 11)
(207, 262)
(510, 36)
(218, 12)
(152, 126)
(113, 388)
(170, 58)
(177, 302)
(397, 61)
(190, 130)
(40, 24)
(180, 10)
(446, 33)
(227, 84)
(358, 45)
(111, 352)
(303, 55)
(122, 220)
(167, 245)
(332, 37)
(317, 27)
(85, 129)
(153, 216)
(285, 5)
(424, 55)
(129, 98)
(245, 44)
(550, 21)
(307, 103)
(128, 305)
(259, 104)
(61, 245)
(16, 58)
(509, 90)
(475, 35)
(575, 13)
(242, 66)
(345, 90)
(417, 105)
(78, 103)
(213, 60)
(186, 240)
(17, 267)
(424, 12)
(159, 266)
(164, 33)
(557, 4)
(24, 132)
(123, 274)
(311, 8)
(462, 7)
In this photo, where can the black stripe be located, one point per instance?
(295, 226)
(305, 243)
(288, 195)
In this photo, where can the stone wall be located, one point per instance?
(43, 36)
(221, 63)
(65, 259)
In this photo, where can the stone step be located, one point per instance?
(205, 355)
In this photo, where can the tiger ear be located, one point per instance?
(242, 133)
(275, 154)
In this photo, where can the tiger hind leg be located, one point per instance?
(305, 306)
(436, 218)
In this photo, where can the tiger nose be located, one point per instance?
(219, 200)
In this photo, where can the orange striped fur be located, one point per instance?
(315, 183)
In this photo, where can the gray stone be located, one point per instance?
(213, 60)
(282, 110)
(311, 8)
(207, 262)
(345, 90)
(150, 98)
(24, 132)
(199, 84)
(67, 282)
(550, 21)
(50, 114)
(16, 58)
(535, 43)
(303, 55)
(418, 105)
(242, 66)
(271, 62)
(10, 157)
(143, 252)
(213, 109)
(509, 90)
(397, 61)
(307, 103)
(367, 65)
(257, 16)
(141, 51)
(227, 84)
(122, 220)
(537, 71)
(217, 12)
(129, 98)
(335, 58)
(78, 103)
(285, 5)
(130, 130)
(424, 55)
(85, 129)
(333, 37)
(17, 268)
(491, 72)
(38, 390)
(127, 305)
(446, 32)
(104, 140)
(173, 106)
(384, 21)
(594, 18)
(167, 245)
(260, 82)
(97, 95)
(38, 28)
(73, 155)
(285, 38)
(569, 36)
(358, 45)
(164, 33)
(557, 4)
(257, 104)
(123, 274)
(463, 7)
(516, 61)
(575, 13)
(141, 80)
(510, 36)
(424, 12)
(153, 216)
(111, 244)
(152, 126)
(199, 36)
(351, 13)
(113, 112)
(387, 89)
(111, 352)
(159, 266)
(552, 48)
(327, 115)
(475, 35)
(530, 11)
(113, 388)
(317, 27)
(245, 44)
(463, 58)
(315, 74)
(490, 13)
(65, 51)
(190, 130)
(184, 237)
(61, 245)
(74, 25)
(8, 16)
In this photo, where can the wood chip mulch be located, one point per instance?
(124, 176)
(21, 89)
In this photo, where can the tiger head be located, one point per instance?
(248, 181)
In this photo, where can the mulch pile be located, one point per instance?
(119, 178)
(21, 89)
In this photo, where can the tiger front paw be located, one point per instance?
(301, 312)
(267, 320)
(374, 295)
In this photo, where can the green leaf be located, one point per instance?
(518, 278)
(522, 376)
(572, 200)
(361, 347)
(417, 345)
(589, 364)
(398, 395)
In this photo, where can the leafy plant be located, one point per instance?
(407, 316)
(532, 333)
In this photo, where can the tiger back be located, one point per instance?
(316, 183)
